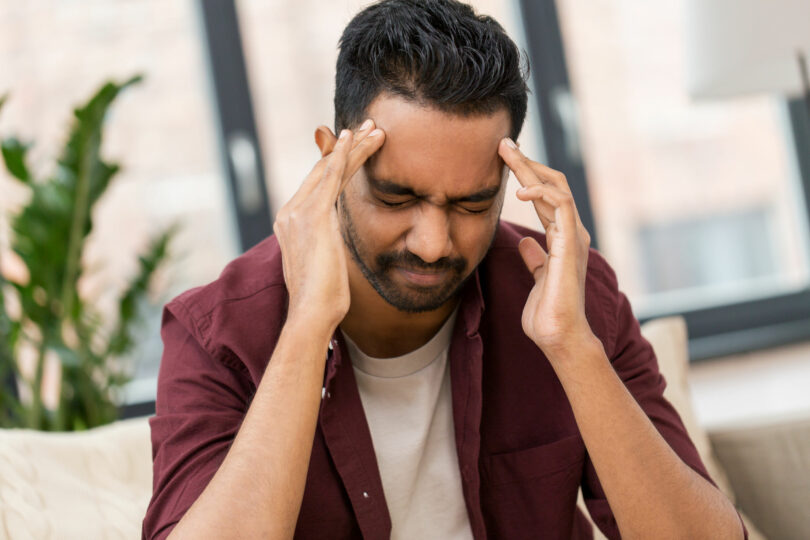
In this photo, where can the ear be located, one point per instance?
(325, 140)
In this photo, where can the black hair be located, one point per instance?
(439, 53)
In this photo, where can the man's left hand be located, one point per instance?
(554, 315)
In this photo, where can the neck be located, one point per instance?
(382, 331)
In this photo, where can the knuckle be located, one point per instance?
(278, 230)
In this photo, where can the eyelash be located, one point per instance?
(390, 204)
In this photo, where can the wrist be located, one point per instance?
(314, 321)
(311, 329)
(579, 363)
(575, 346)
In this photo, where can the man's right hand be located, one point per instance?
(257, 490)
(308, 230)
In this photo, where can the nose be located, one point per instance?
(429, 235)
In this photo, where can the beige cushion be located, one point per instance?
(93, 484)
(769, 468)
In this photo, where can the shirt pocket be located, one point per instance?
(533, 490)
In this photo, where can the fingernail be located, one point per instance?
(375, 133)
(366, 125)
(510, 143)
(343, 134)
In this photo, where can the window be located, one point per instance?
(162, 131)
(699, 206)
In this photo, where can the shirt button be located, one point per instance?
(365, 495)
(323, 392)
(331, 344)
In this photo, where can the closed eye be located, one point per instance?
(393, 203)
(477, 209)
(474, 211)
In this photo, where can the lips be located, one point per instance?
(423, 278)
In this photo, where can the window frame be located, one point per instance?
(228, 76)
(221, 40)
(715, 331)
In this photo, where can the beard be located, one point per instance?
(378, 271)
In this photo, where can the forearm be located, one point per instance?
(651, 491)
(257, 491)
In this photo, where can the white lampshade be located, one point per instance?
(739, 47)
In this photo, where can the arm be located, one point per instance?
(257, 490)
(651, 491)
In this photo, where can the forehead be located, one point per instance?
(434, 151)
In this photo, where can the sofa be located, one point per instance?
(97, 483)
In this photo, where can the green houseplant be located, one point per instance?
(48, 235)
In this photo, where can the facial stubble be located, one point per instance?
(414, 299)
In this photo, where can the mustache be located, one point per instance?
(409, 260)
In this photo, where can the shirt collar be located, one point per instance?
(470, 310)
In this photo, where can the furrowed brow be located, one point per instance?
(480, 196)
(390, 188)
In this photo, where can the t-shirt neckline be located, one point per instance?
(408, 363)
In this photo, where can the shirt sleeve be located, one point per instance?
(634, 360)
(201, 401)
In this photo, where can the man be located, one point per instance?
(397, 362)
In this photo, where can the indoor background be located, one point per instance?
(699, 202)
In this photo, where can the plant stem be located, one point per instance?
(35, 412)
(76, 226)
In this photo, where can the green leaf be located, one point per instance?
(156, 255)
(14, 157)
(49, 235)
(87, 175)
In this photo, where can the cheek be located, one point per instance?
(378, 228)
(472, 235)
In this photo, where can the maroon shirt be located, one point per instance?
(519, 450)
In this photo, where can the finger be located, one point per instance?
(370, 144)
(543, 209)
(316, 175)
(554, 197)
(336, 163)
(309, 183)
(363, 131)
(550, 176)
(534, 256)
(528, 171)
(517, 162)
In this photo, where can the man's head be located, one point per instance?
(437, 53)
(445, 85)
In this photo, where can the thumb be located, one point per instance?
(534, 256)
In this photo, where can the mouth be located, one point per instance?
(422, 278)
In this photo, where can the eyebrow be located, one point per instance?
(390, 187)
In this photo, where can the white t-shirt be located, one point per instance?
(408, 406)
